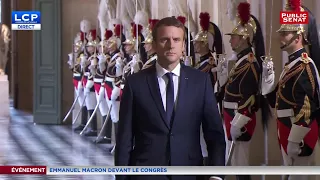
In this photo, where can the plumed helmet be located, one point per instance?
(92, 38)
(246, 26)
(149, 39)
(207, 30)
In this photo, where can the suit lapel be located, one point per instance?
(155, 92)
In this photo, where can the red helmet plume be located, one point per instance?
(153, 23)
(134, 29)
(204, 21)
(244, 12)
(108, 34)
(182, 19)
(294, 5)
(82, 36)
(117, 30)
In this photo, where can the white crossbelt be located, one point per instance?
(87, 74)
(109, 79)
(230, 105)
(98, 80)
(285, 113)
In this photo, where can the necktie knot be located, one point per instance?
(169, 75)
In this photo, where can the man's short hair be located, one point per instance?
(167, 21)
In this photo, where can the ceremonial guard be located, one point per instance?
(240, 103)
(99, 77)
(141, 18)
(114, 75)
(258, 40)
(133, 64)
(75, 65)
(152, 56)
(295, 97)
(204, 46)
(182, 19)
(88, 63)
(313, 47)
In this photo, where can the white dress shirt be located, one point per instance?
(163, 82)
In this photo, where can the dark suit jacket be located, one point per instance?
(142, 124)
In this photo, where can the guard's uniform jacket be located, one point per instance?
(110, 77)
(77, 74)
(126, 72)
(88, 75)
(206, 64)
(152, 59)
(295, 99)
(240, 93)
(99, 77)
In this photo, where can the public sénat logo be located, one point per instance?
(291, 17)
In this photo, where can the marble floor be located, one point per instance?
(24, 143)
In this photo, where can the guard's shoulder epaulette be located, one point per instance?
(305, 58)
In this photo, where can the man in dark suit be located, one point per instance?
(162, 108)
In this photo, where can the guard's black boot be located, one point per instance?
(244, 177)
(93, 124)
(84, 119)
(106, 139)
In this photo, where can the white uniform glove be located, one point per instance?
(296, 136)
(92, 69)
(119, 66)
(293, 149)
(187, 61)
(267, 69)
(83, 62)
(235, 132)
(101, 94)
(102, 62)
(238, 121)
(89, 85)
(222, 72)
(70, 61)
(135, 64)
(80, 87)
(268, 75)
(115, 93)
(135, 68)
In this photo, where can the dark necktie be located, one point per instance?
(169, 97)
